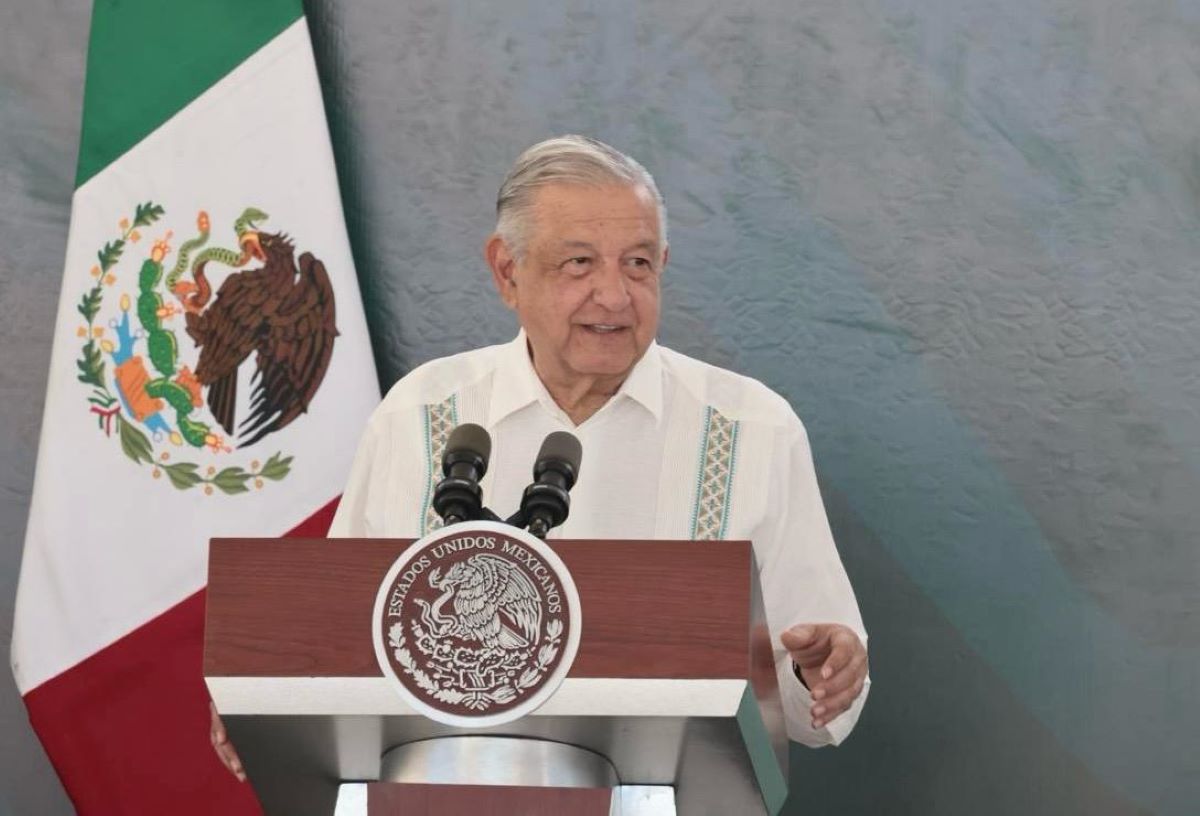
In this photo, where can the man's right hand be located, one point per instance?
(224, 748)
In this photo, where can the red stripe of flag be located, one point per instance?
(127, 728)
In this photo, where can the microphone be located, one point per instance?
(458, 496)
(546, 502)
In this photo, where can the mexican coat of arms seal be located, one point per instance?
(476, 624)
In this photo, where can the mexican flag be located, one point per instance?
(210, 376)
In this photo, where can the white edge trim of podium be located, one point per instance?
(576, 697)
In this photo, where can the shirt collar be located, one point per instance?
(517, 384)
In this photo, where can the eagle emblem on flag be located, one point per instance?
(164, 364)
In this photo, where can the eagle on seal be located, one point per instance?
(496, 603)
(283, 314)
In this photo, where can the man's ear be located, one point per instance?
(502, 263)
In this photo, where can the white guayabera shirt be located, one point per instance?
(684, 450)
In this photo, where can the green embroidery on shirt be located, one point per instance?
(440, 419)
(715, 477)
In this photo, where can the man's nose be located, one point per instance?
(610, 288)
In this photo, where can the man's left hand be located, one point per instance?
(832, 663)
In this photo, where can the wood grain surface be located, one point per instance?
(651, 609)
(392, 799)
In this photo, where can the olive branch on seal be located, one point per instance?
(404, 658)
(476, 699)
(545, 656)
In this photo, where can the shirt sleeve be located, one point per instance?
(803, 581)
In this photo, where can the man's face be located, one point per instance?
(586, 290)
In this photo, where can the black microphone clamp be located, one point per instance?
(458, 500)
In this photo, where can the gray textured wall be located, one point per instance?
(42, 50)
(959, 235)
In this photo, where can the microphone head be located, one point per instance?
(559, 449)
(468, 442)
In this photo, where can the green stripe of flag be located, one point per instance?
(147, 59)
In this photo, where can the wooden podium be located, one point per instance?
(674, 685)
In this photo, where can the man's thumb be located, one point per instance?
(798, 637)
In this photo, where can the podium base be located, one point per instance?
(495, 760)
(506, 774)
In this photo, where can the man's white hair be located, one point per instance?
(568, 159)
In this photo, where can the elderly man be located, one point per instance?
(673, 448)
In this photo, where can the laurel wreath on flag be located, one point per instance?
(107, 407)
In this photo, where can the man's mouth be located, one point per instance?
(603, 328)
